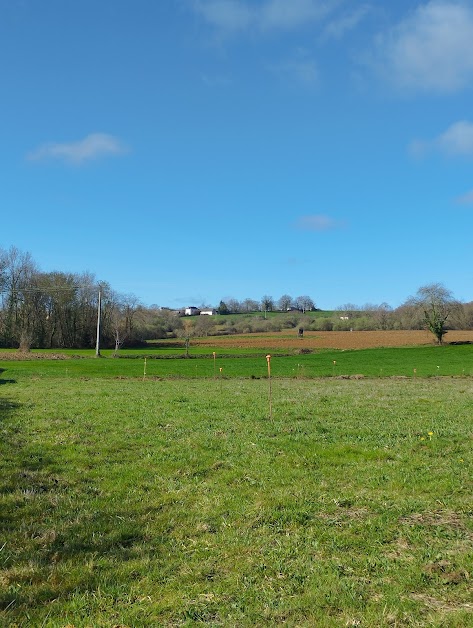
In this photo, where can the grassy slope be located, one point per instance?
(154, 503)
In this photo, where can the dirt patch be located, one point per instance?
(440, 605)
(21, 356)
(446, 519)
(331, 340)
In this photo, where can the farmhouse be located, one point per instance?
(191, 311)
(208, 312)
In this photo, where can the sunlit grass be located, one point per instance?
(151, 503)
(411, 362)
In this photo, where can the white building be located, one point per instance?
(191, 311)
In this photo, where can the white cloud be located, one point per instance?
(236, 15)
(318, 222)
(432, 49)
(91, 147)
(457, 140)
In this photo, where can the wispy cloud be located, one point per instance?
(457, 140)
(338, 27)
(318, 222)
(91, 147)
(229, 15)
(237, 15)
(281, 14)
(300, 68)
(432, 49)
(465, 199)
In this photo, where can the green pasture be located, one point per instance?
(165, 362)
(182, 502)
(313, 314)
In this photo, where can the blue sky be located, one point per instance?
(187, 151)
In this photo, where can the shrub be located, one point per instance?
(322, 324)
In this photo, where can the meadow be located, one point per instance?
(319, 354)
(173, 497)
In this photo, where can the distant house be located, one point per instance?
(344, 318)
(191, 311)
(208, 312)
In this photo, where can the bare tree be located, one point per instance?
(462, 317)
(349, 309)
(186, 333)
(250, 305)
(17, 271)
(203, 325)
(284, 302)
(304, 303)
(233, 305)
(383, 314)
(267, 303)
(123, 308)
(436, 304)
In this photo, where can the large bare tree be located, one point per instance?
(285, 302)
(436, 304)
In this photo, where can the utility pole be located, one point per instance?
(99, 308)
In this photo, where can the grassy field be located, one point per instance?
(177, 500)
(169, 362)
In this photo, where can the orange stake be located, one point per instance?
(268, 360)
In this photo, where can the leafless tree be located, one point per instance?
(284, 302)
(203, 325)
(383, 316)
(186, 333)
(304, 303)
(436, 304)
(267, 303)
(250, 305)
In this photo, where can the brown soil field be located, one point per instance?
(331, 339)
(18, 356)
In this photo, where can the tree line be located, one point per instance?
(433, 307)
(285, 303)
(60, 310)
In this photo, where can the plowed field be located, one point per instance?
(331, 339)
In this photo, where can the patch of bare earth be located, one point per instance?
(441, 605)
(23, 355)
(450, 520)
(331, 339)
(443, 570)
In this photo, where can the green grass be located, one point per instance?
(179, 502)
(418, 362)
(276, 314)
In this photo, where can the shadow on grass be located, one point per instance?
(76, 558)
(5, 381)
(7, 407)
(64, 538)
